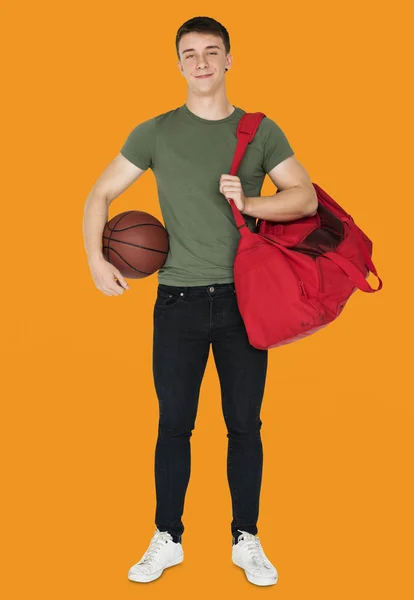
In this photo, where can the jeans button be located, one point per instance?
(211, 289)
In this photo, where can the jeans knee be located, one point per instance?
(244, 430)
(174, 430)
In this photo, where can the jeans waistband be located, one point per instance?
(213, 289)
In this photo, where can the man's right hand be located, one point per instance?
(105, 274)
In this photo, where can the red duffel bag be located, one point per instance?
(295, 277)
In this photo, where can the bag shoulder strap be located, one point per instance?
(245, 132)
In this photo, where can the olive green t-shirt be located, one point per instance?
(187, 155)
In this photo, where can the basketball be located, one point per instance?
(136, 243)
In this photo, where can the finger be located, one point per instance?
(116, 292)
(121, 280)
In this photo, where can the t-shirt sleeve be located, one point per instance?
(276, 146)
(139, 147)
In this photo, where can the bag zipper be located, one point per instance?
(304, 293)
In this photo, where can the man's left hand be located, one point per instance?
(230, 187)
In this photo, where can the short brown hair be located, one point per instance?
(203, 25)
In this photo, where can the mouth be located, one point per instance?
(204, 76)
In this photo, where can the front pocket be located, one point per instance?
(166, 299)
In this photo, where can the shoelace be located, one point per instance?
(254, 547)
(160, 538)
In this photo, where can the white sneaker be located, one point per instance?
(249, 555)
(161, 553)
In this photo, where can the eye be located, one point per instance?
(190, 55)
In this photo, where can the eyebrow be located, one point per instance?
(193, 49)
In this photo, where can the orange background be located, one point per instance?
(79, 411)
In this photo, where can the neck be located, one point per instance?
(211, 107)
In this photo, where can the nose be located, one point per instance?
(201, 63)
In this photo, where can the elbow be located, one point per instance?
(312, 204)
(312, 213)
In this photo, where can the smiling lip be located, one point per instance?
(204, 76)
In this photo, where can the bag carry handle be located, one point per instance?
(350, 269)
(353, 273)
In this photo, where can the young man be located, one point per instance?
(190, 150)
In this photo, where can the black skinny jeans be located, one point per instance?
(186, 321)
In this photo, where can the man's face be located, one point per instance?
(202, 54)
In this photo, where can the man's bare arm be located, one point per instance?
(115, 179)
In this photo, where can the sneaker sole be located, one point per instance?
(257, 580)
(146, 577)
